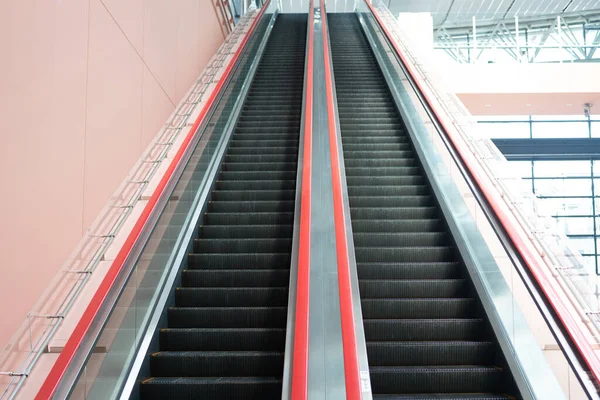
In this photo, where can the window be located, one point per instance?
(558, 129)
(562, 169)
(562, 186)
(505, 130)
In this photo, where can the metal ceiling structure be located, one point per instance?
(459, 13)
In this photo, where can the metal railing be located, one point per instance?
(562, 261)
(31, 340)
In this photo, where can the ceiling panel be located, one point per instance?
(460, 12)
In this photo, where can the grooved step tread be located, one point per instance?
(225, 335)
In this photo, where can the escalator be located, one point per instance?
(225, 335)
(426, 331)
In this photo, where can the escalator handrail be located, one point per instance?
(519, 238)
(80, 331)
(349, 345)
(299, 384)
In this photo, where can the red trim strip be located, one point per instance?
(299, 388)
(510, 223)
(66, 356)
(351, 370)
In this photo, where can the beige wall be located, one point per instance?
(84, 86)
(524, 89)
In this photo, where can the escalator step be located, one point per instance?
(424, 329)
(224, 339)
(245, 231)
(216, 363)
(240, 260)
(390, 354)
(405, 254)
(462, 379)
(251, 206)
(412, 288)
(255, 218)
(401, 239)
(222, 388)
(235, 278)
(390, 201)
(231, 297)
(253, 195)
(227, 317)
(389, 213)
(427, 270)
(406, 225)
(444, 396)
(259, 245)
(418, 308)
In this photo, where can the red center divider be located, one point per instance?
(509, 221)
(351, 370)
(59, 368)
(299, 388)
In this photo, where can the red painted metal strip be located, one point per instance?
(299, 389)
(510, 223)
(66, 356)
(351, 370)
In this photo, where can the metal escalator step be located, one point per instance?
(393, 239)
(251, 206)
(222, 388)
(257, 158)
(379, 171)
(418, 308)
(385, 180)
(257, 175)
(253, 195)
(231, 297)
(400, 225)
(227, 317)
(393, 213)
(424, 329)
(454, 353)
(235, 278)
(388, 190)
(239, 260)
(390, 201)
(412, 288)
(288, 149)
(245, 231)
(246, 245)
(443, 396)
(461, 379)
(255, 218)
(222, 339)
(405, 254)
(349, 140)
(256, 184)
(397, 270)
(216, 363)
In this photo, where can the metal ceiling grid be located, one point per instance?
(460, 12)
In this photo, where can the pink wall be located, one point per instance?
(84, 86)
